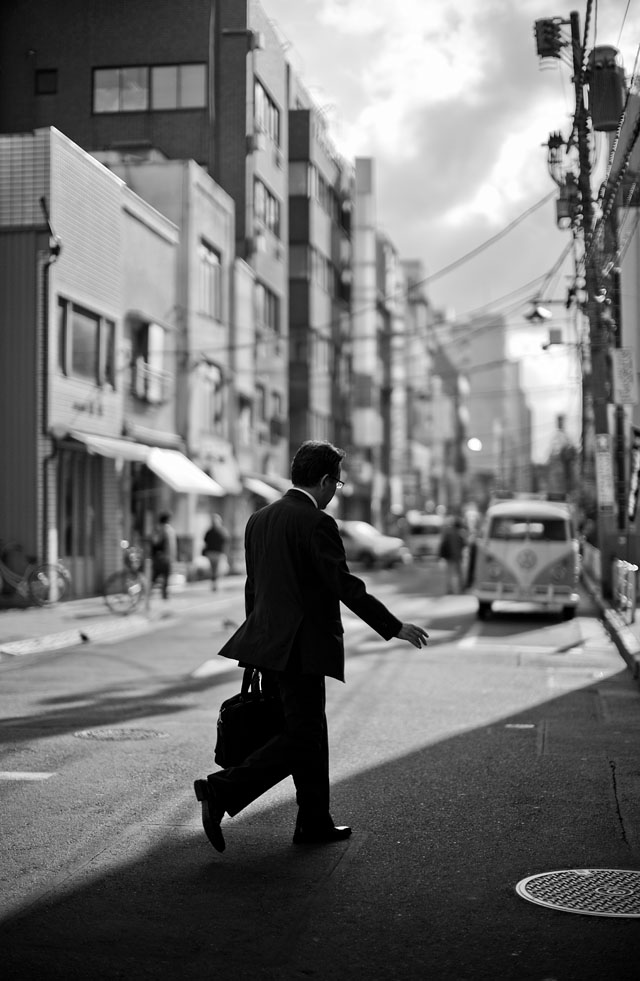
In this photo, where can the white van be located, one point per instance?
(527, 552)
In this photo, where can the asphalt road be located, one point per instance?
(504, 749)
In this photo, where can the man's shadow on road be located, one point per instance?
(423, 889)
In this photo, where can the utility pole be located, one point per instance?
(549, 44)
(598, 333)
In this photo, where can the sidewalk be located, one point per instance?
(37, 630)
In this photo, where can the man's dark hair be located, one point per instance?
(313, 459)
(164, 517)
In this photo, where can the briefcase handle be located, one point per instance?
(251, 682)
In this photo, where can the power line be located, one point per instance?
(486, 244)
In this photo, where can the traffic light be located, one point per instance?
(549, 43)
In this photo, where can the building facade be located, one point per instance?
(93, 329)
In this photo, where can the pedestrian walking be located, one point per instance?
(297, 575)
(451, 550)
(216, 541)
(164, 552)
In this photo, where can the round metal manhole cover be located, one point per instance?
(592, 892)
(116, 734)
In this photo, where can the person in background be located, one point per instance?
(216, 542)
(164, 552)
(451, 550)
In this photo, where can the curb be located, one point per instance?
(625, 639)
(105, 628)
(74, 637)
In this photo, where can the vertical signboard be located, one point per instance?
(604, 474)
(634, 473)
(625, 389)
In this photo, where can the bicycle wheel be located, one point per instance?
(123, 591)
(48, 583)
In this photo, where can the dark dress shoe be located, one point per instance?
(212, 813)
(321, 836)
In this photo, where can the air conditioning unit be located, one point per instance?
(255, 142)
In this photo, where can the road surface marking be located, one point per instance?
(24, 775)
(214, 666)
(471, 637)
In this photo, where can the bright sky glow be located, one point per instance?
(451, 101)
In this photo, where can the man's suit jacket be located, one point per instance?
(297, 575)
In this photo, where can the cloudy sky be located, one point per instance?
(450, 99)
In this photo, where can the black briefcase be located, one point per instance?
(247, 721)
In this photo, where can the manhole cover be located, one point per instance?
(114, 734)
(592, 892)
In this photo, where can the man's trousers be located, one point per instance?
(301, 751)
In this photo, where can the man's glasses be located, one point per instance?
(339, 483)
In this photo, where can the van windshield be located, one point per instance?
(515, 529)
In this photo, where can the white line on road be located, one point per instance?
(471, 637)
(217, 666)
(24, 775)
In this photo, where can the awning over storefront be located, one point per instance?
(171, 466)
(123, 449)
(181, 474)
(258, 487)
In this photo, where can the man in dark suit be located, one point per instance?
(297, 575)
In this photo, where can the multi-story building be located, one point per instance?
(88, 352)
(422, 450)
(495, 416)
(217, 356)
(207, 107)
(319, 278)
(365, 468)
(209, 84)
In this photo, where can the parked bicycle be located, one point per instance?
(42, 582)
(125, 588)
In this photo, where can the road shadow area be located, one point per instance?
(424, 889)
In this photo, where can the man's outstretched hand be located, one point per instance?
(415, 635)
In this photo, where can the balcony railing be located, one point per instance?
(151, 384)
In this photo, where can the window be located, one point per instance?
(46, 81)
(178, 86)
(267, 308)
(210, 281)
(299, 261)
(139, 88)
(266, 113)
(149, 382)
(266, 207)
(86, 344)
(261, 402)
(299, 178)
(521, 528)
(121, 89)
(211, 398)
(321, 357)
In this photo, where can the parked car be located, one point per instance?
(364, 543)
(424, 533)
